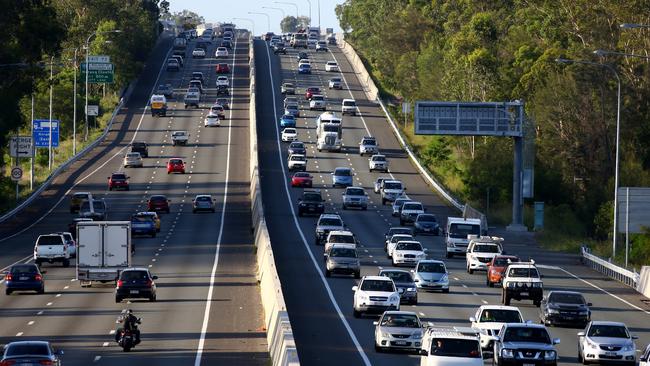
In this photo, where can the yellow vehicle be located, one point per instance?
(154, 215)
(158, 105)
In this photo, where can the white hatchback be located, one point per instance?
(331, 66)
(212, 120)
(221, 52)
(289, 134)
(223, 80)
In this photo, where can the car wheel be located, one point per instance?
(153, 235)
(357, 275)
(488, 283)
(8, 292)
(356, 313)
(470, 271)
(401, 222)
(506, 300)
(152, 298)
(383, 201)
(344, 207)
(212, 210)
(445, 291)
(41, 291)
(167, 210)
(118, 299)
(328, 273)
(449, 255)
(66, 263)
(537, 303)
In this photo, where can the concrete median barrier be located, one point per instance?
(279, 335)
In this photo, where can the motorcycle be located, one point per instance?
(127, 339)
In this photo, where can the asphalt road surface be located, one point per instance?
(320, 308)
(208, 309)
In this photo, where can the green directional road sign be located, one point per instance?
(99, 72)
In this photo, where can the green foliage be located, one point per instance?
(497, 51)
(289, 24)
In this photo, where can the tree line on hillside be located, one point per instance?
(40, 31)
(499, 51)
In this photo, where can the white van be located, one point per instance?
(456, 235)
(349, 106)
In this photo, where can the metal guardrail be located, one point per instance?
(625, 276)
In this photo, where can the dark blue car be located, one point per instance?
(143, 225)
(24, 277)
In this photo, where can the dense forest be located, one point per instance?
(475, 50)
(43, 36)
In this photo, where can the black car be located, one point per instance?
(135, 283)
(140, 147)
(311, 202)
(197, 75)
(222, 90)
(297, 147)
(226, 44)
(279, 48)
(30, 353)
(405, 285)
(302, 56)
(427, 224)
(24, 277)
(565, 307)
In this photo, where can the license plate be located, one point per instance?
(23, 278)
(311, 209)
(523, 293)
(400, 343)
(528, 364)
(610, 354)
(134, 291)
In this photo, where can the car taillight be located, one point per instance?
(120, 283)
(46, 362)
(149, 283)
(8, 277)
(7, 363)
(38, 277)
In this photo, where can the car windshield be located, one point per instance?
(399, 237)
(289, 130)
(486, 248)
(399, 230)
(312, 197)
(400, 201)
(133, 155)
(566, 298)
(342, 172)
(431, 268)
(392, 186)
(330, 222)
(500, 316)
(502, 262)
(318, 98)
(412, 206)
(296, 145)
(409, 246)
(398, 276)
(288, 117)
(400, 321)
(355, 191)
(176, 161)
(203, 199)
(24, 269)
(301, 175)
(378, 158)
(157, 198)
(27, 349)
(134, 275)
(338, 238)
(139, 218)
(460, 231)
(369, 142)
(292, 107)
(526, 334)
(523, 272)
(80, 195)
(349, 103)
(426, 218)
(343, 252)
(610, 331)
(454, 347)
(377, 285)
(118, 176)
(336, 80)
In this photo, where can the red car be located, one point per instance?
(301, 179)
(311, 91)
(158, 203)
(497, 267)
(176, 165)
(223, 68)
(118, 181)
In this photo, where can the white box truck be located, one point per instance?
(103, 250)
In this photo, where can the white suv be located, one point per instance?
(375, 294)
(398, 330)
(331, 66)
(393, 240)
(297, 162)
(349, 106)
(451, 346)
(317, 102)
(480, 252)
(489, 319)
(378, 162)
(339, 237)
(408, 252)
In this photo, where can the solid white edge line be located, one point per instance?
(76, 183)
(208, 301)
(363, 355)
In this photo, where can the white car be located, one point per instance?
(221, 52)
(489, 319)
(398, 330)
(317, 102)
(198, 52)
(392, 242)
(335, 83)
(223, 80)
(378, 162)
(408, 252)
(289, 134)
(297, 162)
(304, 61)
(218, 110)
(480, 252)
(321, 46)
(349, 106)
(331, 66)
(448, 346)
(212, 120)
(133, 159)
(602, 341)
(339, 237)
(375, 294)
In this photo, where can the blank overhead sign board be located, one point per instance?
(633, 205)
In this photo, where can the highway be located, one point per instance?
(320, 308)
(208, 308)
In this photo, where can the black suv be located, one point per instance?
(135, 283)
(140, 147)
(302, 56)
(222, 90)
(311, 202)
(279, 48)
(523, 344)
(565, 307)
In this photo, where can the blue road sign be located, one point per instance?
(42, 133)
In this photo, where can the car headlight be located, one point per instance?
(411, 289)
(628, 348)
(363, 297)
(444, 278)
(549, 355)
(394, 298)
(537, 284)
(451, 245)
(510, 284)
(584, 312)
(592, 345)
(399, 255)
(507, 353)
(553, 311)
(416, 335)
(385, 334)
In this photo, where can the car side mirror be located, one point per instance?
(556, 340)
(169, 200)
(472, 319)
(504, 252)
(59, 352)
(643, 359)
(541, 276)
(581, 334)
(154, 277)
(589, 304)
(355, 288)
(299, 199)
(423, 352)
(412, 271)
(635, 337)
(128, 177)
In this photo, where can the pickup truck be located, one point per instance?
(51, 248)
(180, 137)
(192, 99)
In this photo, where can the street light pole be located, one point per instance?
(288, 3)
(279, 9)
(618, 135)
(309, 2)
(49, 153)
(633, 26)
(268, 18)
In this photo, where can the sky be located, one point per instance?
(223, 11)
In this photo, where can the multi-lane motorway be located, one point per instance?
(320, 308)
(208, 308)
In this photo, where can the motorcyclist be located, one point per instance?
(130, 322)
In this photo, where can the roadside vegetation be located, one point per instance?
(501, 51)
(38, 32)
